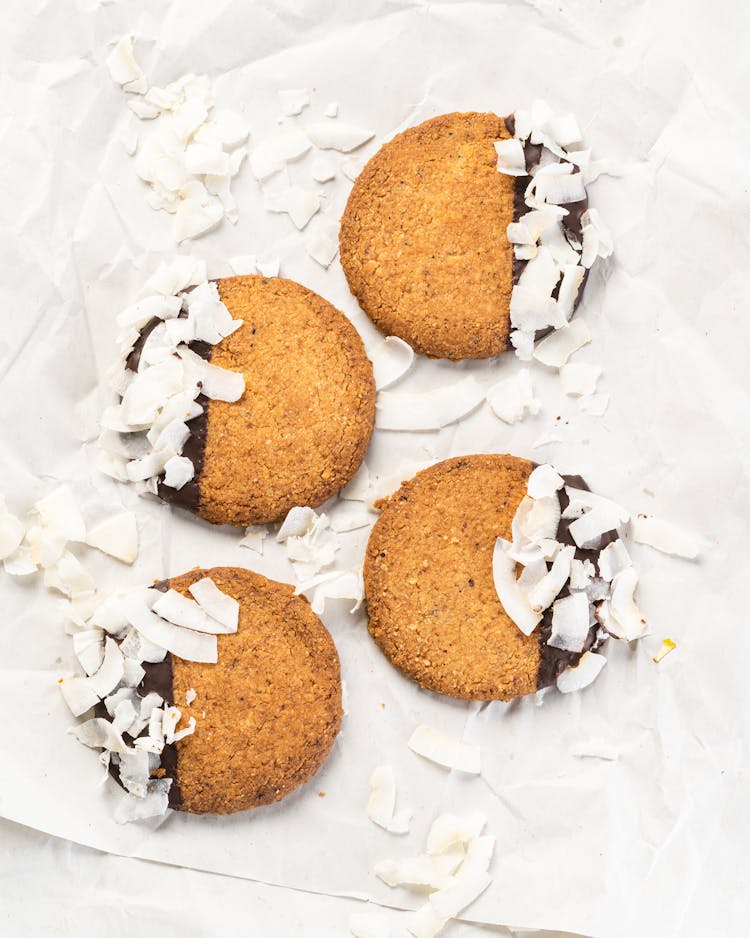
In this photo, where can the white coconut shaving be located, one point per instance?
(144, 433)
(513, 398)
(323, 169)
(454, 870)
(556, 348)
(323, 244)
(298, 203)
(294, 101)
(428, 410)
(666, 537)
(338, 136)
(255, 534)
(272, 155)
(589, 598)
(582, 674)
(381, 804)
(391, 360)
(116, 536)
(579, 378)
(555, 257)
(445, 750)
(188, 153)
(222, 608)
(309, 541)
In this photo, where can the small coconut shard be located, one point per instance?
(445, 750)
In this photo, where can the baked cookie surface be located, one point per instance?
(431, 599)
(300, 430)
(267, 713)
(423, 237)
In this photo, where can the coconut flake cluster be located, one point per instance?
(144, 433)
(112, 645)
(582, 594)
(453, 871)
(190, 153)
(556, 257)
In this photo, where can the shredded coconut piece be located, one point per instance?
(666, 537)
(294, 101)
(338, 136)
(116, 536)
(584, 673)
(579, 379)
(428, 410)
(381, 804)
(445, 750)
(391, 360)
(513, 398)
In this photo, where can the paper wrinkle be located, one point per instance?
(667, 822)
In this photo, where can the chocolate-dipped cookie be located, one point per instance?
(262, 398)
(430, 588)
(430, 241)
(216, 691)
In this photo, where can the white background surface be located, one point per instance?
(651, 844)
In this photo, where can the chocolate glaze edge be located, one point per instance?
(571, 222)
(195, 448)
(158, 679)
(553, 661)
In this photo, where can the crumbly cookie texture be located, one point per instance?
(423, 238)
(431, 599)
(301, 429)
(268, 712)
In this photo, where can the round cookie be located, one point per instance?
(431, 599)
(300, 430)
(267, 713)
(423, 237)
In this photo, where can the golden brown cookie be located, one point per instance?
(423, 238)
(267, 713)
(431, 599)
(300, 430)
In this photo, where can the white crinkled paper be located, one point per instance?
(653, 843)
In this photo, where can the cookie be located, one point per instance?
(267, 713)
(425, 247)
(294, 436)
(423, 242)
(431, 598)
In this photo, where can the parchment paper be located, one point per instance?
(651, 842)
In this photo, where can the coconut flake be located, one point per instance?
(429, 410)
(323, 246)
(123, 68)
(255, 534)
(391, 359)
(584, 673)
(612, 560)
(450, 829)
(78, 694)
(184, 643)
(294, 101)
(445, 750)
(273, 154)
(298, 522)
(338, 136)
(132, 808)
(68, 576)
(116, 536)
(332, 109)
(322, 169)
(88, 645)
(513, 398)
(382, 801)
(544, 482)
(621, 615)
(298, 203)
(543, 594)
(511, 159)
(59, 515)
(425, 922)
(515, 603)
(348, 585)
(570, 622)
(219, 606)
(666, 537)
(178, 609)
(423, 870)
(448, 902)
(579, 379)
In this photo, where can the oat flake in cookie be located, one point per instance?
(215, 692)
(465, 240)
(437, 559)
(239, 398)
